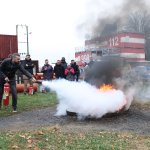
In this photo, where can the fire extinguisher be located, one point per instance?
(6, 94)
(31, 90)
(43, 90)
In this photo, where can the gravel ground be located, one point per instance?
(135, 120)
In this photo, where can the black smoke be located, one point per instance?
(105, 71)
(130, 16)
(121, 18)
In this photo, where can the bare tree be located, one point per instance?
(138, 22)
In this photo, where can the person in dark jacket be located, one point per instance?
(76, 70)
(64, 64)
(91, 62)
(69, 72)
(47, 71)
(59, 70)
(8, 69)
(28, 65)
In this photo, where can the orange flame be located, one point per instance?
(106, 87)
(109, 87)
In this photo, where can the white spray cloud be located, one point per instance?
(84, 99)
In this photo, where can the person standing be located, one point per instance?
(69, 72)
(76, 70)
(8, 69)
(47, 71)
(64, 64)
(59, 70)
(28, 65)
(91, 62)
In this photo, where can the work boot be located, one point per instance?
(25, 93)
(14, 110)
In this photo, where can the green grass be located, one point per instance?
(53, 138)
(27, 102)
(3, 140)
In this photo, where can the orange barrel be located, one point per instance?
(20, 87)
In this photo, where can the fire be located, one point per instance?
(106, 87)
(110, 88)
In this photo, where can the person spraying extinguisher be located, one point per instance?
(6, 94)
(8, 69)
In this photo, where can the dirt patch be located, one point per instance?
(135, 120)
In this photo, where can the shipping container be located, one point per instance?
(8, 45)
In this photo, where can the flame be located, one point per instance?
(106, 87)
(110, 88)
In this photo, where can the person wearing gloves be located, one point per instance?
(8, 69)
(69, 73)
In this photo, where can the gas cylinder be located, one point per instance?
(31, 90)
(43, 90)
(6, 94)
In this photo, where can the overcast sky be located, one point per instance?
(54, 24)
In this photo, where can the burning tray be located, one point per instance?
(121, 111)
(69, 113)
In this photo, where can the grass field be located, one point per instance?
(26, 102)
(53, 138)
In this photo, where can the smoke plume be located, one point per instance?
(105, 71)
(112, 16)
(87, 100)
(119, 73)
(84, 99)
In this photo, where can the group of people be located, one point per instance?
(9, 67)
(61, 70)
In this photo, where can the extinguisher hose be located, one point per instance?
(37, 81)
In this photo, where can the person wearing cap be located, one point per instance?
(8, 69)
(63, 64)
